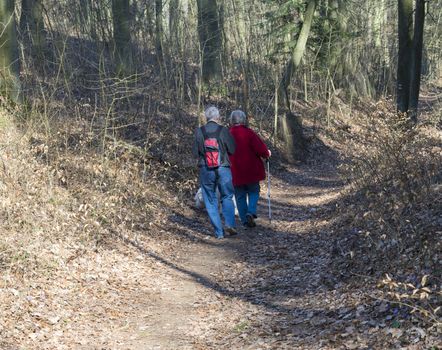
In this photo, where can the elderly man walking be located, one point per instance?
(247, 167)
(213, 145)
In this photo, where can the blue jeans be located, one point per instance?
(210, 180)
(247, 200)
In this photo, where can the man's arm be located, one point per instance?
(229, 141)
(195, 147)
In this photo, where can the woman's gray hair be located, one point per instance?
(238, 117)
(211, 113)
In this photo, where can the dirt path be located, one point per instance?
(181, 292)
(214, 292)
(270, 287)
(267, 288)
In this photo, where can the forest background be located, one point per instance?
(100, 100)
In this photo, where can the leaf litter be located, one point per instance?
(80, 271)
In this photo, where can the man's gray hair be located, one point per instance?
(238, 117)
(211, 113)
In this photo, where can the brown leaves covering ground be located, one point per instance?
(98, 260)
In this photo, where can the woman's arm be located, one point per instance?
(259, 147)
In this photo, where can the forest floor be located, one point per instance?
(267, 288)
(176, 287)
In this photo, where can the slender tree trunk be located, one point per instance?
(174, 7)
(159, 29)
(405, 31)
(9, 58)
(84, 14)
(174, 27)
(32, 24)
(291, 124)
(223, 51)
(337, 26)
(417, 58)
(210, 38)
(299, 50)
(275, 120)
(123, 49)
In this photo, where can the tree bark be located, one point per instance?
(159, 29)
(31, 22)
(122, 40)
(174, 16)
(405, 31)
(337, 28)
(9, 58)
(416, 58)
(295, 145)
(298, 51)
(210, 38)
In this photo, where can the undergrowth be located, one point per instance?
(392, 210)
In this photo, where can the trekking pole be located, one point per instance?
(268, 190)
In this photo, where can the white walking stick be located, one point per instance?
(268, 190)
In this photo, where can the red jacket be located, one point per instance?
(246, 163)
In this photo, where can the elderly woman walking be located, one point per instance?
(247, 167)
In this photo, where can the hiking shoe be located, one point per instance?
(231, 231)
(250, 220)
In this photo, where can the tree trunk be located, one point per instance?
(210, 39)
(84, 14)
(337, 27)
(174, 17)
(32, 24)
(223, 51)
(123, 49)
(405, 31)
(159, 29)
(9, 58)
(298, 51)
(417, 58)
(293, 138)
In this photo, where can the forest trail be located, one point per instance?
(256, 290)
